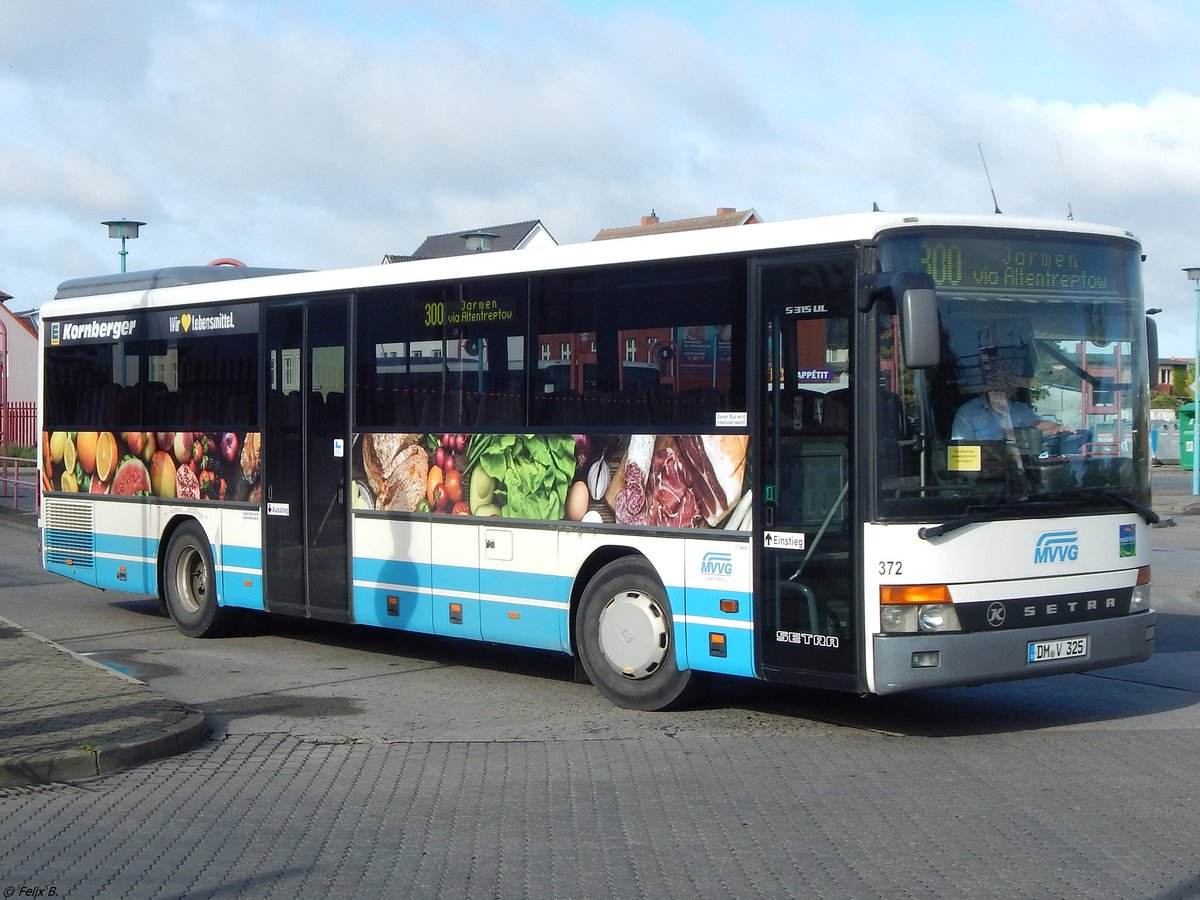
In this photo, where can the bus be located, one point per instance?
(748, 452)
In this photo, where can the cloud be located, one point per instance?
(340, 132)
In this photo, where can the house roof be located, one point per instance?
(651, 224)
(25, 320)
(437, 246)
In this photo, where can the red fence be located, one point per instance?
(19, 425)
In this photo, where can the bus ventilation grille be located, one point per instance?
(70, 536)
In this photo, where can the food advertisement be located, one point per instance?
(188, 465)
(685, 481)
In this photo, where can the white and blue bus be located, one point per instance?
(872, 453)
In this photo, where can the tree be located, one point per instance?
(1181, 383)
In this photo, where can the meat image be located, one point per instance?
(672, 498)
(716, 465)
(630, 503)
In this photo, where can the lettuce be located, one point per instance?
(535, 471)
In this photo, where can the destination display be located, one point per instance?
(1020, 265)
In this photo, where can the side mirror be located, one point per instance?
(916, 304)
(919, 328)
(1152, 350)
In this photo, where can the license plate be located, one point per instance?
(1046, 651)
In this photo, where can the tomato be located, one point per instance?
(453, 484)
(460, 509)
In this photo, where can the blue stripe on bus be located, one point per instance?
(240, 571)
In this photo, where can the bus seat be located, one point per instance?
(835, 411)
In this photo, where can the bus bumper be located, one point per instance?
(979, 657)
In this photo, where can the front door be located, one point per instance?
(806, 587)
(305, 451)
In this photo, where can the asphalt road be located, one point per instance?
(346, 760)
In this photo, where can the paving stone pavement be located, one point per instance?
(831, 815)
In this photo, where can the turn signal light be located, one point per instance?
(914, 593)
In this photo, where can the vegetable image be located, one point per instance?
(531, 471)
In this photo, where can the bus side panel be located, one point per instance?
(718, 640)
(126, 557)
(523, 599)
(697, 574)
(393, 578)
(239, 559)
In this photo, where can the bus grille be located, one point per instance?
(70, 537)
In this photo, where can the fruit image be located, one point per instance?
(57, 443)
(433, 485)
(187, 486)
(229, 446)
(162, 474)
(480, 491)
(85, 448)
(70, 457)
(106, 456)
(181, 446)
(135, 441)
(132, 478)
(68, 482)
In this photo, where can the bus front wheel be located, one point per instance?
(625, 638)
(190, 586)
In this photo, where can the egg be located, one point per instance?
(577, 501)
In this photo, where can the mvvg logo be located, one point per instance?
(714, 563)
(1056, 546)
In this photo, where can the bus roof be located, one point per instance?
(195, 284)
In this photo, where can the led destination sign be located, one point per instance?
(1021, 265)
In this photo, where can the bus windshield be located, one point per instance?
(1040, 398)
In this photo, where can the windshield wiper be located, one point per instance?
(930, 532)
(991, 513)
(1109, 494)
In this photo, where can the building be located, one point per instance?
(517, 236)
(1167, 367)
(725, 217)
(19, 344)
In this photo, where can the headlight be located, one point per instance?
(1141, 591)
(919, 619)
(917, 609)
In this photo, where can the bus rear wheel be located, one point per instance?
(189, 585)
(625, 638)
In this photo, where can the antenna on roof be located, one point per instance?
(995, 202)
(1070, 212)
(875, 208)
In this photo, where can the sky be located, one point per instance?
(321, 134)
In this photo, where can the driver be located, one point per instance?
(996, 413)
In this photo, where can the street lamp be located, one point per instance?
(1193, 274)
(123, 229)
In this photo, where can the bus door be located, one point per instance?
(304, 459)
(805, 593)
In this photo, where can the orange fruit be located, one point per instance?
(85, 448)
(106, 455)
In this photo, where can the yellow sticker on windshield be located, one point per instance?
(964, 459)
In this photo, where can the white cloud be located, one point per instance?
(337, 133)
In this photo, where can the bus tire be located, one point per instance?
(189, 585)
(625, 638)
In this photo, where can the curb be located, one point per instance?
(179, 729)
(68, 765)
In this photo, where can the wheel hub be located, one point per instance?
(633, 634)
